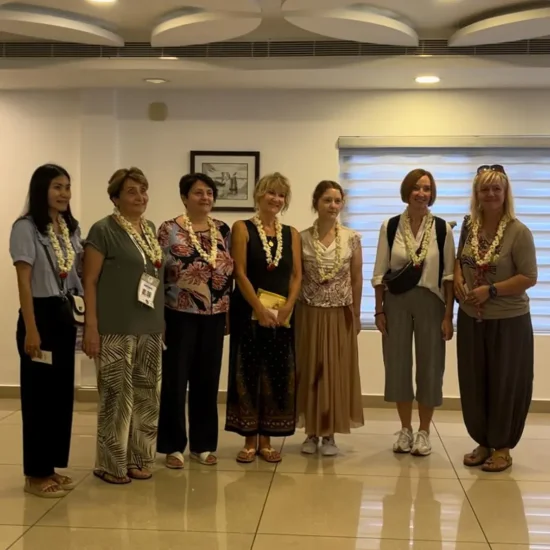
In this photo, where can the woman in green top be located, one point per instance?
(123, 274)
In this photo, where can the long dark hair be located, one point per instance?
(37, 201)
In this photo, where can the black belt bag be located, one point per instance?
(403, 280)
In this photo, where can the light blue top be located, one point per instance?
(26, 245)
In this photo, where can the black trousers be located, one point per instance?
(47, 391)
(495, 372)
(193, 356)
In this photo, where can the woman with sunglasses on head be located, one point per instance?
(46, 250)
(327, 325)
(413, 286)
(496, 264)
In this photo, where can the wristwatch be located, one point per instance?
(493, 292)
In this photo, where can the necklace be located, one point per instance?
(65, 259)
(149, 244)
(272, 262)
(327, 275)
(210, 259)
(410, 241)
(491, 255)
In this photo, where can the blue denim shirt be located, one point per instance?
(26, 245)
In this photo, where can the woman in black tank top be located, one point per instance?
(261, 393)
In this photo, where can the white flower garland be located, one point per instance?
(272, 262)
(410, 241)
(490, 256)
(338, 262)
(149, 245)
(208, 258)
(65, 259)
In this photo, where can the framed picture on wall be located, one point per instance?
(235, 173)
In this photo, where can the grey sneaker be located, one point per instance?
(328, 447)
(404, 441)
(421, 445)
(309, 446)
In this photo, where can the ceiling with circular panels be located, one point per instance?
(188, 22)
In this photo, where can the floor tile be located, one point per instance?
(84, 423)
(530, 460)
(9, 534)
(209, 501)
(4, 414)
(59, 538)
(10, 405)
(366, 455)
(512, 512)
(520, 546)
(373, 507)
(277, 542)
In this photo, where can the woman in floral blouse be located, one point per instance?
(198, 282)
(327, 324)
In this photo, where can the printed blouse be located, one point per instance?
(191, 284)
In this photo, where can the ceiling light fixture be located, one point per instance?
(102, 1)
(427, 79)
(168, 58)
(156, 80)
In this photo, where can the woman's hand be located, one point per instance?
(460, 289)
(91, 342)
(266, 318)
(447, 329)
(478, 295)
(357, 321)
(32, 343)
(283, 314)
(380, 321)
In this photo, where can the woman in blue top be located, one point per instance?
(46, 250)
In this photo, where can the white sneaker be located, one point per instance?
(404, 441)
(328, 447)
(309, 446)
(421, 445)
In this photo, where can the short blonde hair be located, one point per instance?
(116, 183)
(489, 177)
(409, 182)
(275, 182)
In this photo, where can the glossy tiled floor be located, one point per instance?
(365, 499)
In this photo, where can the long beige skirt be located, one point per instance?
(329, 386)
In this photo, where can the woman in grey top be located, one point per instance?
(496, 264)
(123, 274)
(46, 251)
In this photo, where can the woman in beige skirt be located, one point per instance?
(327, 325)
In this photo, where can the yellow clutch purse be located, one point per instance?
(272, 302)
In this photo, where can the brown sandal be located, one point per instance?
(140, 474)
(477, 457)
(246, 456)
(498, 462)
(270, 455)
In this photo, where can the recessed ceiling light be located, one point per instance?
(168, 58)
(427, 79)
(102, 1)
(156, 80)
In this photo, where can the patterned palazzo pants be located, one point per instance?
(128, 380)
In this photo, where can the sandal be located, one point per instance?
(498, 462)
(65, 482)
(477, 457)
(143, 474)
(246, 456)
(111, 479)
(49, 489)
(174, 461)
(206, 458)
(270, 455)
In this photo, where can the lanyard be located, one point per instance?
(141, 251)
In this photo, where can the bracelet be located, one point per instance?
(379, 313)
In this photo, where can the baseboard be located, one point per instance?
(89, 395)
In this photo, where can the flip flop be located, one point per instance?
(246, 456)
(490, 463)
(65, 482)
(477, 457)
(42, 492)
(137, 477)
(203, 458)
(104, 476)
(270, 455)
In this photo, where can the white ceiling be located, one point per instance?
(185, 22)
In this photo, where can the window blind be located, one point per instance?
(372, 180)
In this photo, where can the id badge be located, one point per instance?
(148, 286)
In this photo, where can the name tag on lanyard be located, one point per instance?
(148, 284)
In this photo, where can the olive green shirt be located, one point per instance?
(118, 308)
(516, 256)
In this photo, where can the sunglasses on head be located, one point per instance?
(491, 168)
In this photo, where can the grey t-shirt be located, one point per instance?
(118, 308)
(517, 256)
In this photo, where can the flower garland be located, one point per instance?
(338, 262)
(149, 245)
(210, 259)
(272, 262)
(410, 241)
(65, 260)
(490, 256)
